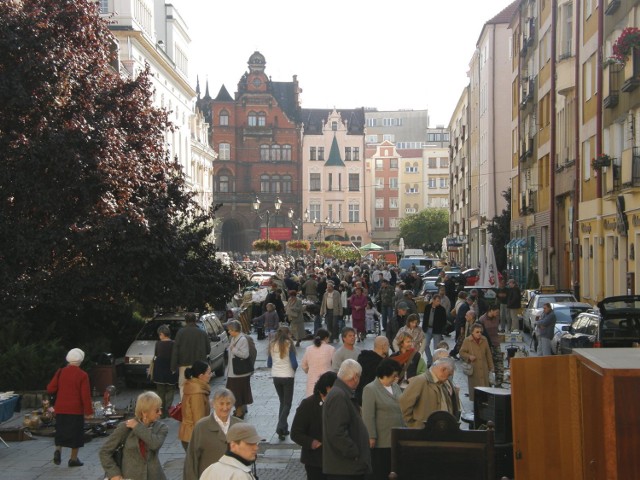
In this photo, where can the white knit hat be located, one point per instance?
(75, 356)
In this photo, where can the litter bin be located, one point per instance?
(103, 373)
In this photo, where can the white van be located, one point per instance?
(412, 252)
(224, 258)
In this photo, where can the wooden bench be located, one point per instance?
(441, 451)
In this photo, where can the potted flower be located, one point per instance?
(626, 42)
(264, 245)
(299, 245)
(321, 244)
(600, 161)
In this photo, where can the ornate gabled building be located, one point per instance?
(258, 137)
(334, 188)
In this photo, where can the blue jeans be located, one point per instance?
(436, 337)
(387, 313)
(284, 389)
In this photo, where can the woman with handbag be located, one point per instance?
(140, 440)
(70, 384)
(238, 383)
(283, 363)
(195, 399)
(475, 351)
(160, 369)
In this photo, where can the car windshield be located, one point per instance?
(150, 329)
(565, 316)
(555, 299)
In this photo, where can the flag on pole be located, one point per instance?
(491, 265)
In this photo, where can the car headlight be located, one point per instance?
(133, 360)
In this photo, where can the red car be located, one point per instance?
(471, 275)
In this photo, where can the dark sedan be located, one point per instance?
(616, 325)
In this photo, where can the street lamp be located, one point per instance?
(266, 214)
(297, 224)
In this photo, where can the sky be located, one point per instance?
(389, 55)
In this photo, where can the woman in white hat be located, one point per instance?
(70, 384)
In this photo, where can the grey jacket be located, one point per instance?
(134, 466)
(345, 439)
(381, 411)
(208, 444)
(337, 304)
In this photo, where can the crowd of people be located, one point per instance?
(354, 396)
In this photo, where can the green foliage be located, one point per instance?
(500, 230)
(429, 226)
(533, 281)
(94, 215)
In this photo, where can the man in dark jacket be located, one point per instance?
(433, 325)
(345, 439)
(459, 324)
(514, 303)
(369, 361)
(191, 344)
(386, 296)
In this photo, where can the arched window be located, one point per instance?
(286, 153)
(224, 118)
(262, 119)
(275, 153)
(286, 184)
(264, 183)
(275, 184)
(252, 119)
(264, 153)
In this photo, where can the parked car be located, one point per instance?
(421, 264)
(565, 314)
(429, 287)
(615, 325)
(140, 352)
(536, 302)
(435, 271)
(261, 278)
(471, 276)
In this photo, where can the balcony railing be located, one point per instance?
(632, 72)
(612, 90)
(635, 167)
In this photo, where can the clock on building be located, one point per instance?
(257, 82)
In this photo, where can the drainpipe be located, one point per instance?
(577, 195)
(599, 72)
(552, 146)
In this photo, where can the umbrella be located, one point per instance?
(401, 245)
(371, 246)
(491, 265)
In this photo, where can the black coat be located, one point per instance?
(439, 319)
(369, 361)
(306, 427)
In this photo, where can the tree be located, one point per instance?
(500, 230)
(94, 215)
(427, 227)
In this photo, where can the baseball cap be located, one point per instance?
(403, 306)
(243, 432)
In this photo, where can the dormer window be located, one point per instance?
(334, 126)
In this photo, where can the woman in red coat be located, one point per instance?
(358, 304)
(73, 405)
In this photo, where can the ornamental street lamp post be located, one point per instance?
(266, 215)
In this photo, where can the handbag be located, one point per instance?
(467, 368)
(118, 453)
(175, 412)
(54, 395)
(241, 365)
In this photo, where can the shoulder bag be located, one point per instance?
(118, 453)
(175, 412)
(467, 368)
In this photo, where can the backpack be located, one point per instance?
(253, 351)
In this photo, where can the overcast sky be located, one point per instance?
(390, 55)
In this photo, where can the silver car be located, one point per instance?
(140, 352)
(536, 302)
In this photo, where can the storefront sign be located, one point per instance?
(277, 233)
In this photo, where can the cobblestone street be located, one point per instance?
(277, 460)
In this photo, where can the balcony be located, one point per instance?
(527, 93)
(632, 72)
(611, 84)
(259, 132)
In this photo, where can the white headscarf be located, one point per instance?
(75, 356)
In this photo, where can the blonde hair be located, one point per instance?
(146, 402)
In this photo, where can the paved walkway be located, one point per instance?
(277, 460)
